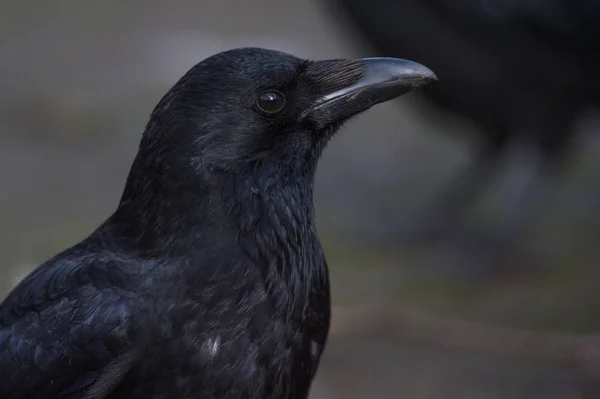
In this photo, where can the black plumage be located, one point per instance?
(209, 280)
(521, 72)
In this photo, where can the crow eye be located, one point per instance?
(271, 102)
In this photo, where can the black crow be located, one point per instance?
(520, 71)
(209, 280)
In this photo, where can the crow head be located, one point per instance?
(250, 107)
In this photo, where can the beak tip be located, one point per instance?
(431, 77)
(428, 78)
(401, 68)
(422, 73)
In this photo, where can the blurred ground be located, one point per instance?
(78, 83)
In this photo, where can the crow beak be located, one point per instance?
(382, 79)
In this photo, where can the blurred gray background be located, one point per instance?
(78, 82)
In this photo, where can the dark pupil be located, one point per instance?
(270, 102)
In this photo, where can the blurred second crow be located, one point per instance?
(209, 280)
(521, 71)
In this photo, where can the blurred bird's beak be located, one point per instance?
(382, 79)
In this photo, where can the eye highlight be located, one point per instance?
(271, 102)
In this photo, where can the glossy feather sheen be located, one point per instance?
(248, 324)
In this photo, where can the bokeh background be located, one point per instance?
(77, 83)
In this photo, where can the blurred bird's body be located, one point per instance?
(521, 71)
(209, 280)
